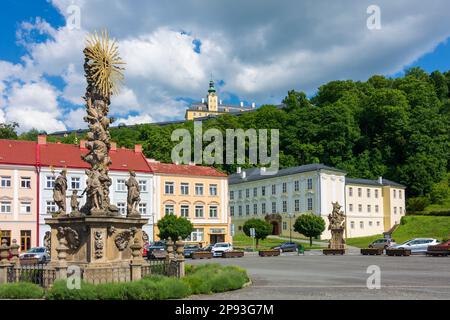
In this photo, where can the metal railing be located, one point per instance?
(39, 274)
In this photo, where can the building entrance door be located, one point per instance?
(276, 228)
(215, 238)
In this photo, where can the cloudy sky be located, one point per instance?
(256, 51)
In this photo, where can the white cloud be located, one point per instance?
(75, 119)
(131, 120)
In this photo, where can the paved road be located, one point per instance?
(315, 276)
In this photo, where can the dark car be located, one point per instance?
(189, 249)
(286, 247)
(207, 248)
(442, 249)
(157, 250)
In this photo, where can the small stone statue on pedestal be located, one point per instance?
(59, 193)
(337, 227)
(134, 196)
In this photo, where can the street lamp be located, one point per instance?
(290, 227)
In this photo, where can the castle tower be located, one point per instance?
(212, 99)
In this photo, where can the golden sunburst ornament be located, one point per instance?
(103, 64)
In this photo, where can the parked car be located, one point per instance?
(418, 245)
(439, 249)
(286, 247)
(190, 248)
(145, 249)
(40, 255)
(382, 243)
(208, 248)
(157, 250)
(219, 248)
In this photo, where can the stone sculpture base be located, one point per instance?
(94, 241)
(337, 241)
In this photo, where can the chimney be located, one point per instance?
(242, 104)
(239, 170)
(380, 180)
(42, 139)
(83, 144)
(138, 148)
(113, 146)
(244, 175)
(253, 105)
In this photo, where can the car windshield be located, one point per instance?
(36, 250)
(191, 247)
(221, 245)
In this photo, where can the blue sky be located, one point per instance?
(256, 51)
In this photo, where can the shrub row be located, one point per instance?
(21, 290)
(431, 214)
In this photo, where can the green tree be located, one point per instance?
(310, 226)
(174, 227)
(8, 130)
(262, 229)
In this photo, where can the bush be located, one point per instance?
(418, 204)
(21, 290)
(59, 291)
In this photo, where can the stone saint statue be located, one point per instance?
(133, 195)
(75, 204)
(59, 192)
(337, 227)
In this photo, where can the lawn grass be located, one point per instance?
(411, 227)
(438, 207)
(241, 241)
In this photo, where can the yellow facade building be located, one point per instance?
(197, 193)
(212, 106)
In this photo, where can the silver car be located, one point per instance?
(382, 243)
(418, 245)
(39, 254)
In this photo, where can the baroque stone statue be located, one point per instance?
(134, 194)
(59, 192)
(337, 227)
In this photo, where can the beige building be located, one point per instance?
(197, 193)
(212, 106)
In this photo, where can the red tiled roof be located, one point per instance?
(66, 155)
(186, 170)
(18, 152)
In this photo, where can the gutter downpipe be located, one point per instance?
(38, 172)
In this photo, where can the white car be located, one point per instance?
(418, 245)
(219, 248)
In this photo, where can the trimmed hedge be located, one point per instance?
(431, 214)
(21, 290)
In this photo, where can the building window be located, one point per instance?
(263, 208)
(232, 211)
(5, 207)
(361, 224)
(400, 194)
(359, 192)
(395, 210)
(122, 206)
(297, 205)
(199, 211)
(25, 183)
(231, 195)
(377, 208)
(121, 185)
(169, 209)
(263, 191)
(142, 208)
(310, 184)
(350, 192)
(274, 207)
(51, 207)
(185, 211)
(352, 224)
(350, 207)
(169, 188)
(185, 189)
(25, 207)
(5, 182)
(400, 210)
(285, 227)
(310, 204)
(376, 193)
(213, 212)
(255, 209)
(75, 183)
(284, 187)
(6, 235)
(395, 194)
(240, 194)
(49, 182)
(370, 223)
(199, 189)
(25, 240)
(213, 189)
(240, 211)
(359, 207)
(247, 193)
(274, 189)
(378, 223)
(143, 185)
(369, 208)
(247, 209)
(196, 236)
(368, 193)
(255, 192)
(284, 206)
(296, 185)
